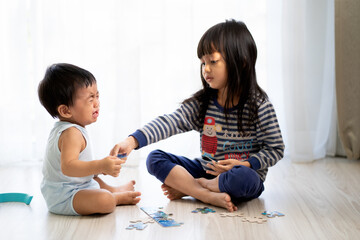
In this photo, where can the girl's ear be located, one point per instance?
(64, 111)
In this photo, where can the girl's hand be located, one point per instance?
(125, 146)
(111, 165)
(224, 166)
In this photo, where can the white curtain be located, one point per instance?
(302, 37)
(143, 54)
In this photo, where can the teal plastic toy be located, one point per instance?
(15, 197)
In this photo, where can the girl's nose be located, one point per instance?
(206, 68)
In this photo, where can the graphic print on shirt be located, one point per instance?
(238, 150)
(209, 139)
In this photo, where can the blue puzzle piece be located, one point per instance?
(122, 155)
(15, 197)
(138, 226)
(273, 214)
(204, 210)
(160, 217)
(169, 223)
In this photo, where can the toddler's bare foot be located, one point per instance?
(126, 198)
(211, 184)
(171, 193)
(126, 187)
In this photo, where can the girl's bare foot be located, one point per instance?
(126, 198)
(218, 198)
(171, 193)
(221, 200)
(125, 187)
(211, 184)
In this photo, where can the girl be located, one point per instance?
(239, 132)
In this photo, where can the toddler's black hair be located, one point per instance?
(60, 84)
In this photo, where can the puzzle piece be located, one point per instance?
(161, 217)
(232, 214)
(138, 226)
(203, 210)
(122, 155)
(259, 220)
(143, 220)
(170, 223)
(244, 218)
(273, 214)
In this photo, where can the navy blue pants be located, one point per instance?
(240, 182)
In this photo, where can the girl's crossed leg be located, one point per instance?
(182, 176)
(242, 183)
(181, 180)
(179, 177)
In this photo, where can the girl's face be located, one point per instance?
(213, 68)
(85, 109)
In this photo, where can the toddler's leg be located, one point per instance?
(122, 188)
(102, 201)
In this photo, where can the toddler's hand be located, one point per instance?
(111, 165)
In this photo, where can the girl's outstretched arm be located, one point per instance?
(184, 119)
(125, 147)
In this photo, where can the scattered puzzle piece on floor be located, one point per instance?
(170, 223)
(138, 226)
(203, 210)
(273, 214)
(259, 220)
(161, 217)
(143, 220)
(232, 214)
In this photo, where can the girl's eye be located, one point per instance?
(213, 61)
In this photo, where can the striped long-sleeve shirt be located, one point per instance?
(260, 143)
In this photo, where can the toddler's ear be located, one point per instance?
(64, 111)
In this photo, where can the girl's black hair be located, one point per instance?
(60, 84)
(237, 46)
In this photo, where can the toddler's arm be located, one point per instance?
(71, 143)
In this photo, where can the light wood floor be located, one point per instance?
(320, 200)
